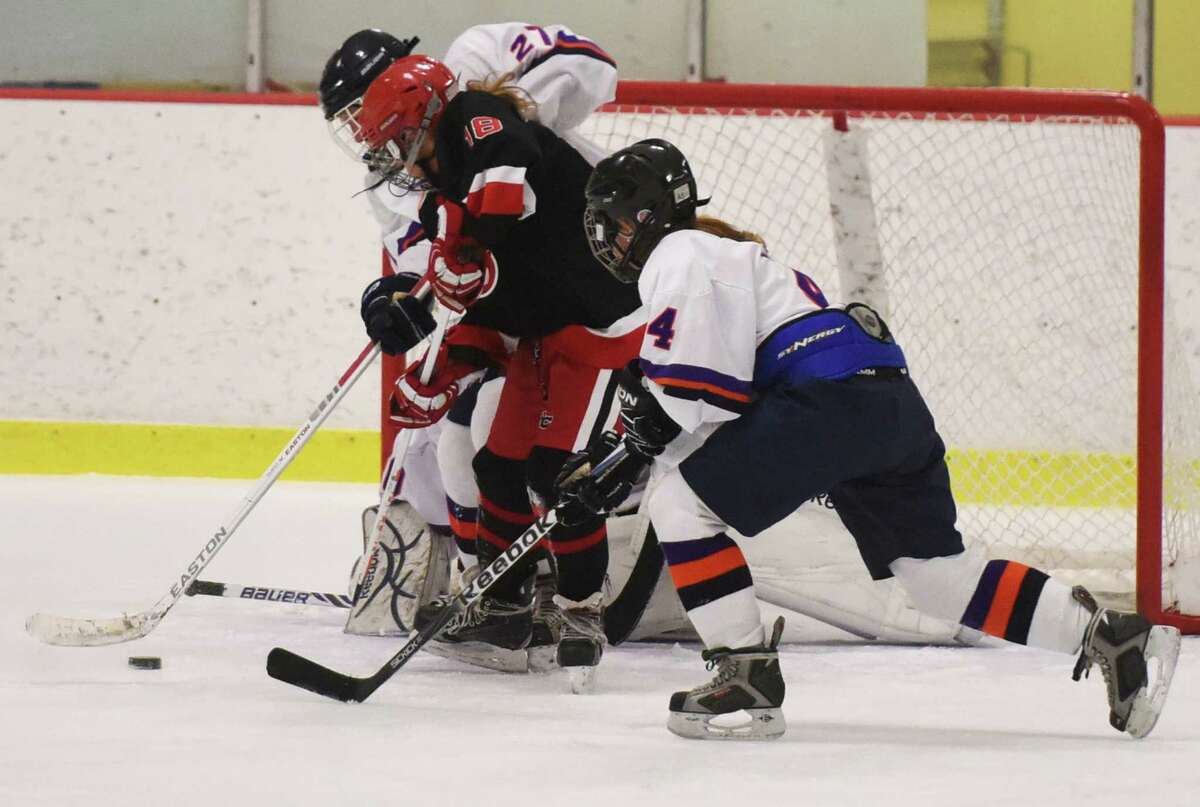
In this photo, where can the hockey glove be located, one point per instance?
(415, 405)
(394, 318)
(460, 268)
(647, 427)
(582, 497)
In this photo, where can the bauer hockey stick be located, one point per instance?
(83, 632)
(241, 591)
(395, 477)
(284, 665)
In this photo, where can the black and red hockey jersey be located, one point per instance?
(523, 189)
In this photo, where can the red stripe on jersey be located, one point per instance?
(586, 47)
(485, 340)
(594, 349)
(700, 385)
(497, 199)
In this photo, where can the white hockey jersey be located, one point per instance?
(568, 77)
(727, 321)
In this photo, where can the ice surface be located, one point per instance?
(890, 725)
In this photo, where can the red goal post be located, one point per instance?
(1014, 239)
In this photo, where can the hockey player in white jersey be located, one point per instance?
(753, 394)
(567, 77)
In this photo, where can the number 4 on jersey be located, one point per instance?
(663, 327)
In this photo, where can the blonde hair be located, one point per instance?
(505, 87)
(723, 229)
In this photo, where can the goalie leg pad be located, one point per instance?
(411, 569)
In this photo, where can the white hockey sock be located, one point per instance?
(1058, 620)
(730, 621)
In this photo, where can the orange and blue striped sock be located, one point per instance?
(706, 569)
(1005, 599)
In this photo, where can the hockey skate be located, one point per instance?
(582, 641)
(749, 682)
(491, 633)
(547, 626)
(1137, 659)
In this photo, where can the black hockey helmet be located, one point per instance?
(649, 188)
(354, 65)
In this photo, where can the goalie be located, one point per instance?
(744, 357)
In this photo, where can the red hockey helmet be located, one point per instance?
(398, 111)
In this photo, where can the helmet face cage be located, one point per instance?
(647, 186)
(370, 135)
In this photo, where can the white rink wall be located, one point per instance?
(180, 263)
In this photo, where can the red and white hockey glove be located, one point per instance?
(415, 405)
(461, 270)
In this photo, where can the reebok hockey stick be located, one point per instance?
(83, 632)
(622, 615)
(241, 591)
(284, 665)
(391, 486)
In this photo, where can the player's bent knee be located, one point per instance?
(941, 587)
(455, 453)
(677, 512)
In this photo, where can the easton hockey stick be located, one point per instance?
(284, 665)
(241, 591)
(84, 632)
(395, 477)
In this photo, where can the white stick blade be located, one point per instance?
(71, 632)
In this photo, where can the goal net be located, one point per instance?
(1013, 240)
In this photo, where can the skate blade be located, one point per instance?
(1161, 653)
(543, 658)
(479, 654)
(582, 679)
(747, 724)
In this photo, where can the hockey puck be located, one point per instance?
(145, 662)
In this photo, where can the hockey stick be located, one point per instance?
(240, 591)
(84, 632)
(391, 486)
(622, 615)
(286, 666)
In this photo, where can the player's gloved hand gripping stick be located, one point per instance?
(290, 668)
(395, 475)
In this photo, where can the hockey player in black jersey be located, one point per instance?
(508, 253)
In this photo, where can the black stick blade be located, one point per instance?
(623, 614)
(284, 665)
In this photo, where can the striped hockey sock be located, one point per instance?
(464, 525)
(1024, 605)
(716, 589)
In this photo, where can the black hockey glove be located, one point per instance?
(648, 428)
(395, 322)
(581, 496)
